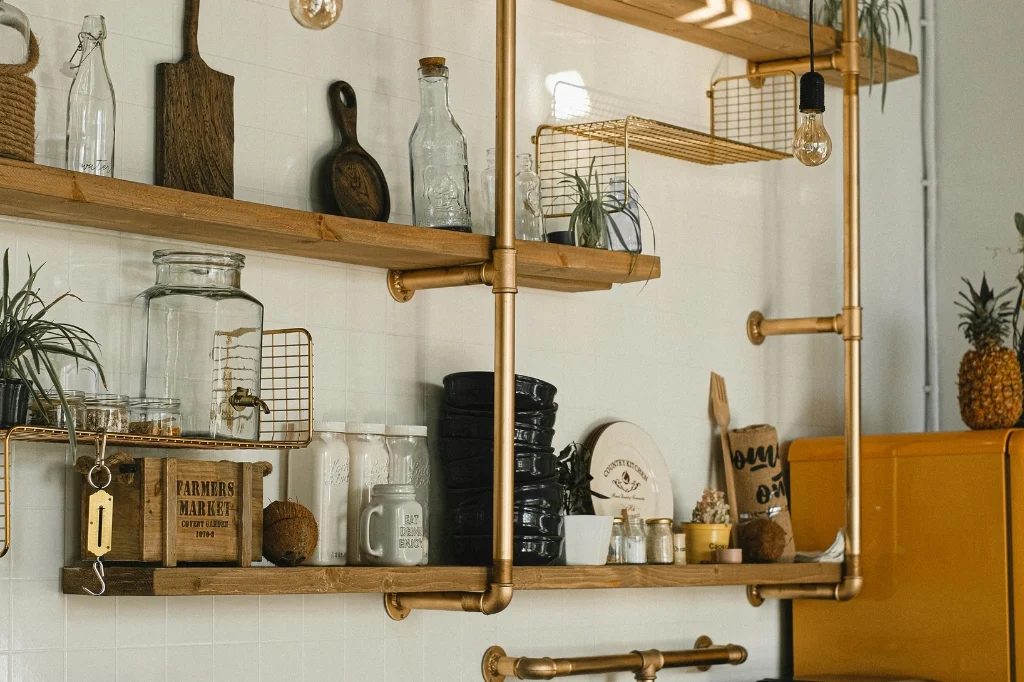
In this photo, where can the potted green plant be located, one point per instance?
(29, 343)
(709, 528)
(587, 536)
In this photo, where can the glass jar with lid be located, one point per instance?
(368, 466)
(198, 337)
(409, 464)
(105, 412)
(659, 541)
(155, 417)
(318, 478)
(50, 412)
(617, 547)
(636, 540)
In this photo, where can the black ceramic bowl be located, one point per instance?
(476, 519)
(545, 495)
(475, 391)
(478, 472)
(479, 448)
(527, 550)
(482, 428)
(543, 419)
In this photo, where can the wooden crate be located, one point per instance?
(180, 510)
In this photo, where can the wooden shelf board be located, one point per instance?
(43, 193)
(184, 581)
(768, 34)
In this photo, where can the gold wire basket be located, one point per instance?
(748, 124)
(286, 386)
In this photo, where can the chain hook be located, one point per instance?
(97, 567)
(101, 463)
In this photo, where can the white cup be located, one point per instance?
(391, 528)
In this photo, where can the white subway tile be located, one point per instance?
(38, 606)
(185, 663)
(141, 620)
(236, 619)
(281, 618)
(236, 662)
(38, 666)
(147, 663)
(280, 660)
(190, 620)
(323, 660)
(92, 665)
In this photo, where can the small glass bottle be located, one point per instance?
(487, 184)
(438, 156)
(659, 541)
(617, 547)
(368, 466)
(318, 478)
(409, 464)
(679, 548)
(92, 108)
(14, 34)
(529, 221)
(636, 541)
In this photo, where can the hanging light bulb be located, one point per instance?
(812, 145)
(316, 14)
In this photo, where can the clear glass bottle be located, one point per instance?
(487, 184)
(623, 233)
(196, 336)
(14, 34)
(438, 156)
(617, 546)
(659, 541)
(318, 479)
(636, 541)
(368, 466)
(409, 464)
(529, 221)
(92, 108)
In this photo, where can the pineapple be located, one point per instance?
(991, 391)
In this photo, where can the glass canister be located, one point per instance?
(659, 541)
(51, 413)
(368, 466)
(105, 412)
(488, 187)
(198, 337)
(409, 464)
(438, 156)
(14, 34)
(636, 541)
(617, 547)
(529, 221)
(318, 479)
(155, 417)
(92, 107)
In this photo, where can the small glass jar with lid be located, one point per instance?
(636, 540)
(659, 541)
(155, 417)
(409, 464)
(106, 412)
(368, 466)
(50, 412)
(617, 546)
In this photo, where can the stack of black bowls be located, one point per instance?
(467, 450)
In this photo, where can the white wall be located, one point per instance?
(732, 239)
(980, 67)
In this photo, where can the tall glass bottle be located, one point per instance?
(487, 182)
(529, 221)
(438, 157)
(92, 108)
(14, 34)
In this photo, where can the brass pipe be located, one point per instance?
(851, 320)
(402, 284)
(645, 665)
(502, 274)
(823, 62)
(758, 328)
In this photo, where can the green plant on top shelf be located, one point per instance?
(29, 343)
(879, 21)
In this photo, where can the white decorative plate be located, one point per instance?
(628, 468)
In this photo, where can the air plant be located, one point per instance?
(878, 19)
(29, 342)
(574, 477)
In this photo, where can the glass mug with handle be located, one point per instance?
(391, 527)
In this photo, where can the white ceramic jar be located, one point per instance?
(391, 527)
(368, 466)
(409, 464)
(318, 478)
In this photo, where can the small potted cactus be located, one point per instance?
(709, 529)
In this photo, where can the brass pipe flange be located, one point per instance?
(489, 665)
(393, 607)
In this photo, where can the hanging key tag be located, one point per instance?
(101, 516)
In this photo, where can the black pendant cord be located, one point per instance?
(810, 23)
(812, 84)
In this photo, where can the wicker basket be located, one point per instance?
(18, 107)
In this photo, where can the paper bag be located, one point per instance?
(760, 484)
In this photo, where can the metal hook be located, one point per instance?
(97, 567)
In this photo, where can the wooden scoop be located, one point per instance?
(360, 188)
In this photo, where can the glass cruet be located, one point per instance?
(92, 108)
(487, 180)
(529, 221)
(438, 156)
(14, 34)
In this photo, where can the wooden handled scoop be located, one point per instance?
(360, 188)
(195, 120)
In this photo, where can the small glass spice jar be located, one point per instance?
(155, 417)
(106, 412)
(51, 413)
(617, 547)
(636, 541)
(679, 548)
(659, 541)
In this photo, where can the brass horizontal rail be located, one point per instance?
(402, 284)
(759, 327)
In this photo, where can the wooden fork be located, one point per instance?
(720, 409)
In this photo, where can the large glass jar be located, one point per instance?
(368, 466)
(318, 479)
(438, 156)
(14, 34)
(409, 464)
(196, 336)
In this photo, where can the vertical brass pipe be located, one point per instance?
(499, 591)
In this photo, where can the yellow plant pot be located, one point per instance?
(704, 539)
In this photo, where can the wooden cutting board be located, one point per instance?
(195, 120)
(356, 179)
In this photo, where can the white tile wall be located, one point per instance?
(731, 239)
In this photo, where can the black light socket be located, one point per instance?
(812, 92)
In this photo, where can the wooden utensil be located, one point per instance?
(195, 120)
(720, 409)
(359, 186)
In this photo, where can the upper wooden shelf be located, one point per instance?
(766, 35)
(180, 581)
(43, 193)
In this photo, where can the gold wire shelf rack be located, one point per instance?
(286, 385)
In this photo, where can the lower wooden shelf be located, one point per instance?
(181, 581)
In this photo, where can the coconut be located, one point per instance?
(762, 540)
(289, 533)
